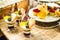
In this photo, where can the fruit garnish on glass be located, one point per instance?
(7, 18)
(44, 12)
(25, 18)
(52, 10)
(23, 25)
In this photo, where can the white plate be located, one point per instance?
(52, 4)
(48, 18)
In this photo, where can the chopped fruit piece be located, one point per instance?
(35, 13)
(16, 12)
(36, 10)
(6, 17)
(23, 24)
(42, 15)
(57, 12)
(52, 10)
(52, 14)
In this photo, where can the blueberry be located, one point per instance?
(17, 21)
(27, 26)
(9, 19)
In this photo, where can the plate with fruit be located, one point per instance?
(45, 12)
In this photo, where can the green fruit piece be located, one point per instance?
(52, 14)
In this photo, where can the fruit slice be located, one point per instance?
(57, 12)
(41, 15)
(23, 24)
(16, 12)
(35, 11)
(6, 17)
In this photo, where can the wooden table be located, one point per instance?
(12, 35)
(36, 33)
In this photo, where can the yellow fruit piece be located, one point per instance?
(35, 13)
(23, 24)
(52, 14)
(57, 12)
(41, 15)
(43, 11)
(16, 12)
(6, 17)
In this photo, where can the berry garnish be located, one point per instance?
(36, 10)
(17, 21)
(52, 10)
(9, 19)
(25, 18)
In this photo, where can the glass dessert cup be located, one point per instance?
(26, 33)
(10, 26)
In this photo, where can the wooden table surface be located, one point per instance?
(12, 35)
(36, 33)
